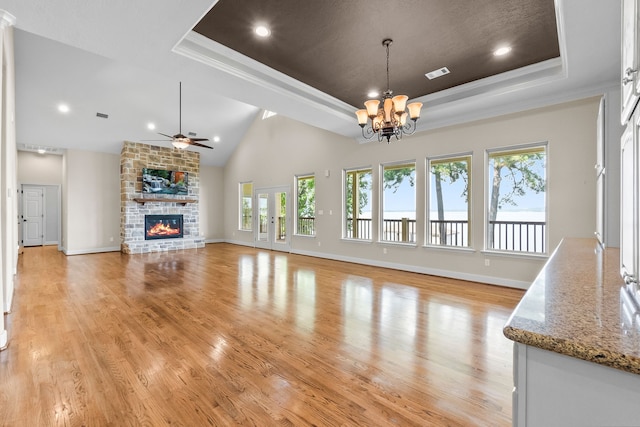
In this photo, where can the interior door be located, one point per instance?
(272, 217)
(32, 216)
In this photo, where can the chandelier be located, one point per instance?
(391, 118)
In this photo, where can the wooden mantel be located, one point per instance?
(143, 200)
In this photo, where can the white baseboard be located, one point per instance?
(91, 250)
(207, 241)
(499, 281)
(241, 243)
(4, 338)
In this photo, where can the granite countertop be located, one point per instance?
(579, 306)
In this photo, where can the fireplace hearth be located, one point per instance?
(163, 227)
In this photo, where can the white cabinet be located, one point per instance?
(629, 201)
(552, 389)
(630, 80)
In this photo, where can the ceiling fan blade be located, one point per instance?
(153, 140)
(197, 144)
(198, 139)
(164, 134)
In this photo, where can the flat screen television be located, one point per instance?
(158, 181)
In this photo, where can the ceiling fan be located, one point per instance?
(179, 140)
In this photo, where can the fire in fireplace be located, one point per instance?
(162, 227)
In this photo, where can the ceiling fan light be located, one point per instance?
(180, 143)
(400, 103)
(372, 107)
(414, 110)
(362, 117)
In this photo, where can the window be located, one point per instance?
(306, 206)
(357, 204)
(246, 208)
(398, 203)
(516, 204)
(449, 208)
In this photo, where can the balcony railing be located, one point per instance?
(449, 233)
(394, 230)
(306, 226)
(521, 236)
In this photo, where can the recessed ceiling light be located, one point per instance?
(151, 126)
(216, 139)
(502, 51)
(373, 94)
(63, 108)
(262, 31)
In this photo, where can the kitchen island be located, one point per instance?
(577, 342)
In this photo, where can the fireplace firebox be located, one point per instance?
(162, 227)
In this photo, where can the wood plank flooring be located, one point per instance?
(231, 335)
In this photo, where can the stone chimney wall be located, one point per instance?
(133, 158)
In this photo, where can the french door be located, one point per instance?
(272, 216)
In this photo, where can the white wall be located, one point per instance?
(275, 150)
(42, 169)
(91, 202)
(211, 203)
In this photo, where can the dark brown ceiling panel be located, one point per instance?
(336, 46)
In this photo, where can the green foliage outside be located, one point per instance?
(306, 197)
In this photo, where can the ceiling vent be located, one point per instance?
(40, 149)
(102, 115)
(191, 134)
(437, 73)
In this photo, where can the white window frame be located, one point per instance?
(545, 235)
(448, 158)
(381, 201)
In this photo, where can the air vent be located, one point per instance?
(102, 115)
(39, 149)
(192, 134)
(437, 73)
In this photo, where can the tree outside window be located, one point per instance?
(306, 206)
(246, 208)
(449, 201)
(517, 200)
(357, 204)
(398, 203)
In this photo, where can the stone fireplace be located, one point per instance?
(138, 209)
(163, 227)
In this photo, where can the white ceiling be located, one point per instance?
(117, 57)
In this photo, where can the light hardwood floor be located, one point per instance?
(231, 335)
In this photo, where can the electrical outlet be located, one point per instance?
(384, 251)
(487, 262)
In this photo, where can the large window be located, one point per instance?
(516, 205)
(357, 204)
(246, 207)
(449, 201)
(306, 206)
(398, 203)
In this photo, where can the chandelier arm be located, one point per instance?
(367, 132)
(410, 127)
